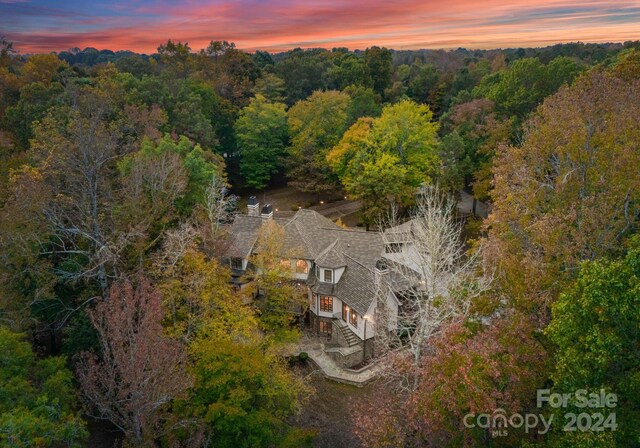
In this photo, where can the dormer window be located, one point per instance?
(328, 276)
(236, 263)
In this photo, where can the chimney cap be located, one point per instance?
(252, 200)
(266, 209)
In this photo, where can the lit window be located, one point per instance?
(328, 275)
(285, 264)
(353, 318)
(236, 263)
(302, 267)
(326, 304)
(325, 327)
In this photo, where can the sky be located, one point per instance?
(275, 25)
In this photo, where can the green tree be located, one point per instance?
(37, 399)
(386, 159)
(348, 69)
(596, 329)
(242, 394)
(271, 87)
(262, 134)
(166, 177)
(315, 126)
(517, 90)
(364, 102)
(423, 81)
(35, 100)
(175, 56)
(378, 63)
(303, 73)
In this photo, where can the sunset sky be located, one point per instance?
(140, 25)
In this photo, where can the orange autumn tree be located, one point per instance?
(570, 192)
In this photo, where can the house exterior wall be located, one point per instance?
(391, 306)
(315, 306)
(314, 324)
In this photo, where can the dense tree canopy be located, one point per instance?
(117, 166)
(595, 327)
(315, 126)
(262, 135)
(387, 158)
(37, 399)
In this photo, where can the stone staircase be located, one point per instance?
(347, 334)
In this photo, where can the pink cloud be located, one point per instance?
(284, 24)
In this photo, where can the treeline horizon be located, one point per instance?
(465, 50)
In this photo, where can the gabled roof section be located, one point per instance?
(244, 233)
(331, 257)
(357, 286)
(314, 231)
(400, 233)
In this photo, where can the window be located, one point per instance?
(314, 297)
(236, 263)
(393, 248)
(353, 318)
(285, 264)
(302, 267)
(325, 327)
(328, 275)
(326, 304)
(317, 272)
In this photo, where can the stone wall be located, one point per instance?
(345, 358)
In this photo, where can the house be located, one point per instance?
(342, 269)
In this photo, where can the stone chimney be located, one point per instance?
(267, 212)
(253, 206)
(381, 270)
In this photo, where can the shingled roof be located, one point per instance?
(332, 257)
(311, 236)
(357, 286)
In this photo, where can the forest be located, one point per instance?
(119, 175)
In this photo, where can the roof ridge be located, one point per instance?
(327, 249)
(353, 259)
(350, 230)
(304, 239)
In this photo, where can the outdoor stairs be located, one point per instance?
(347, 334)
